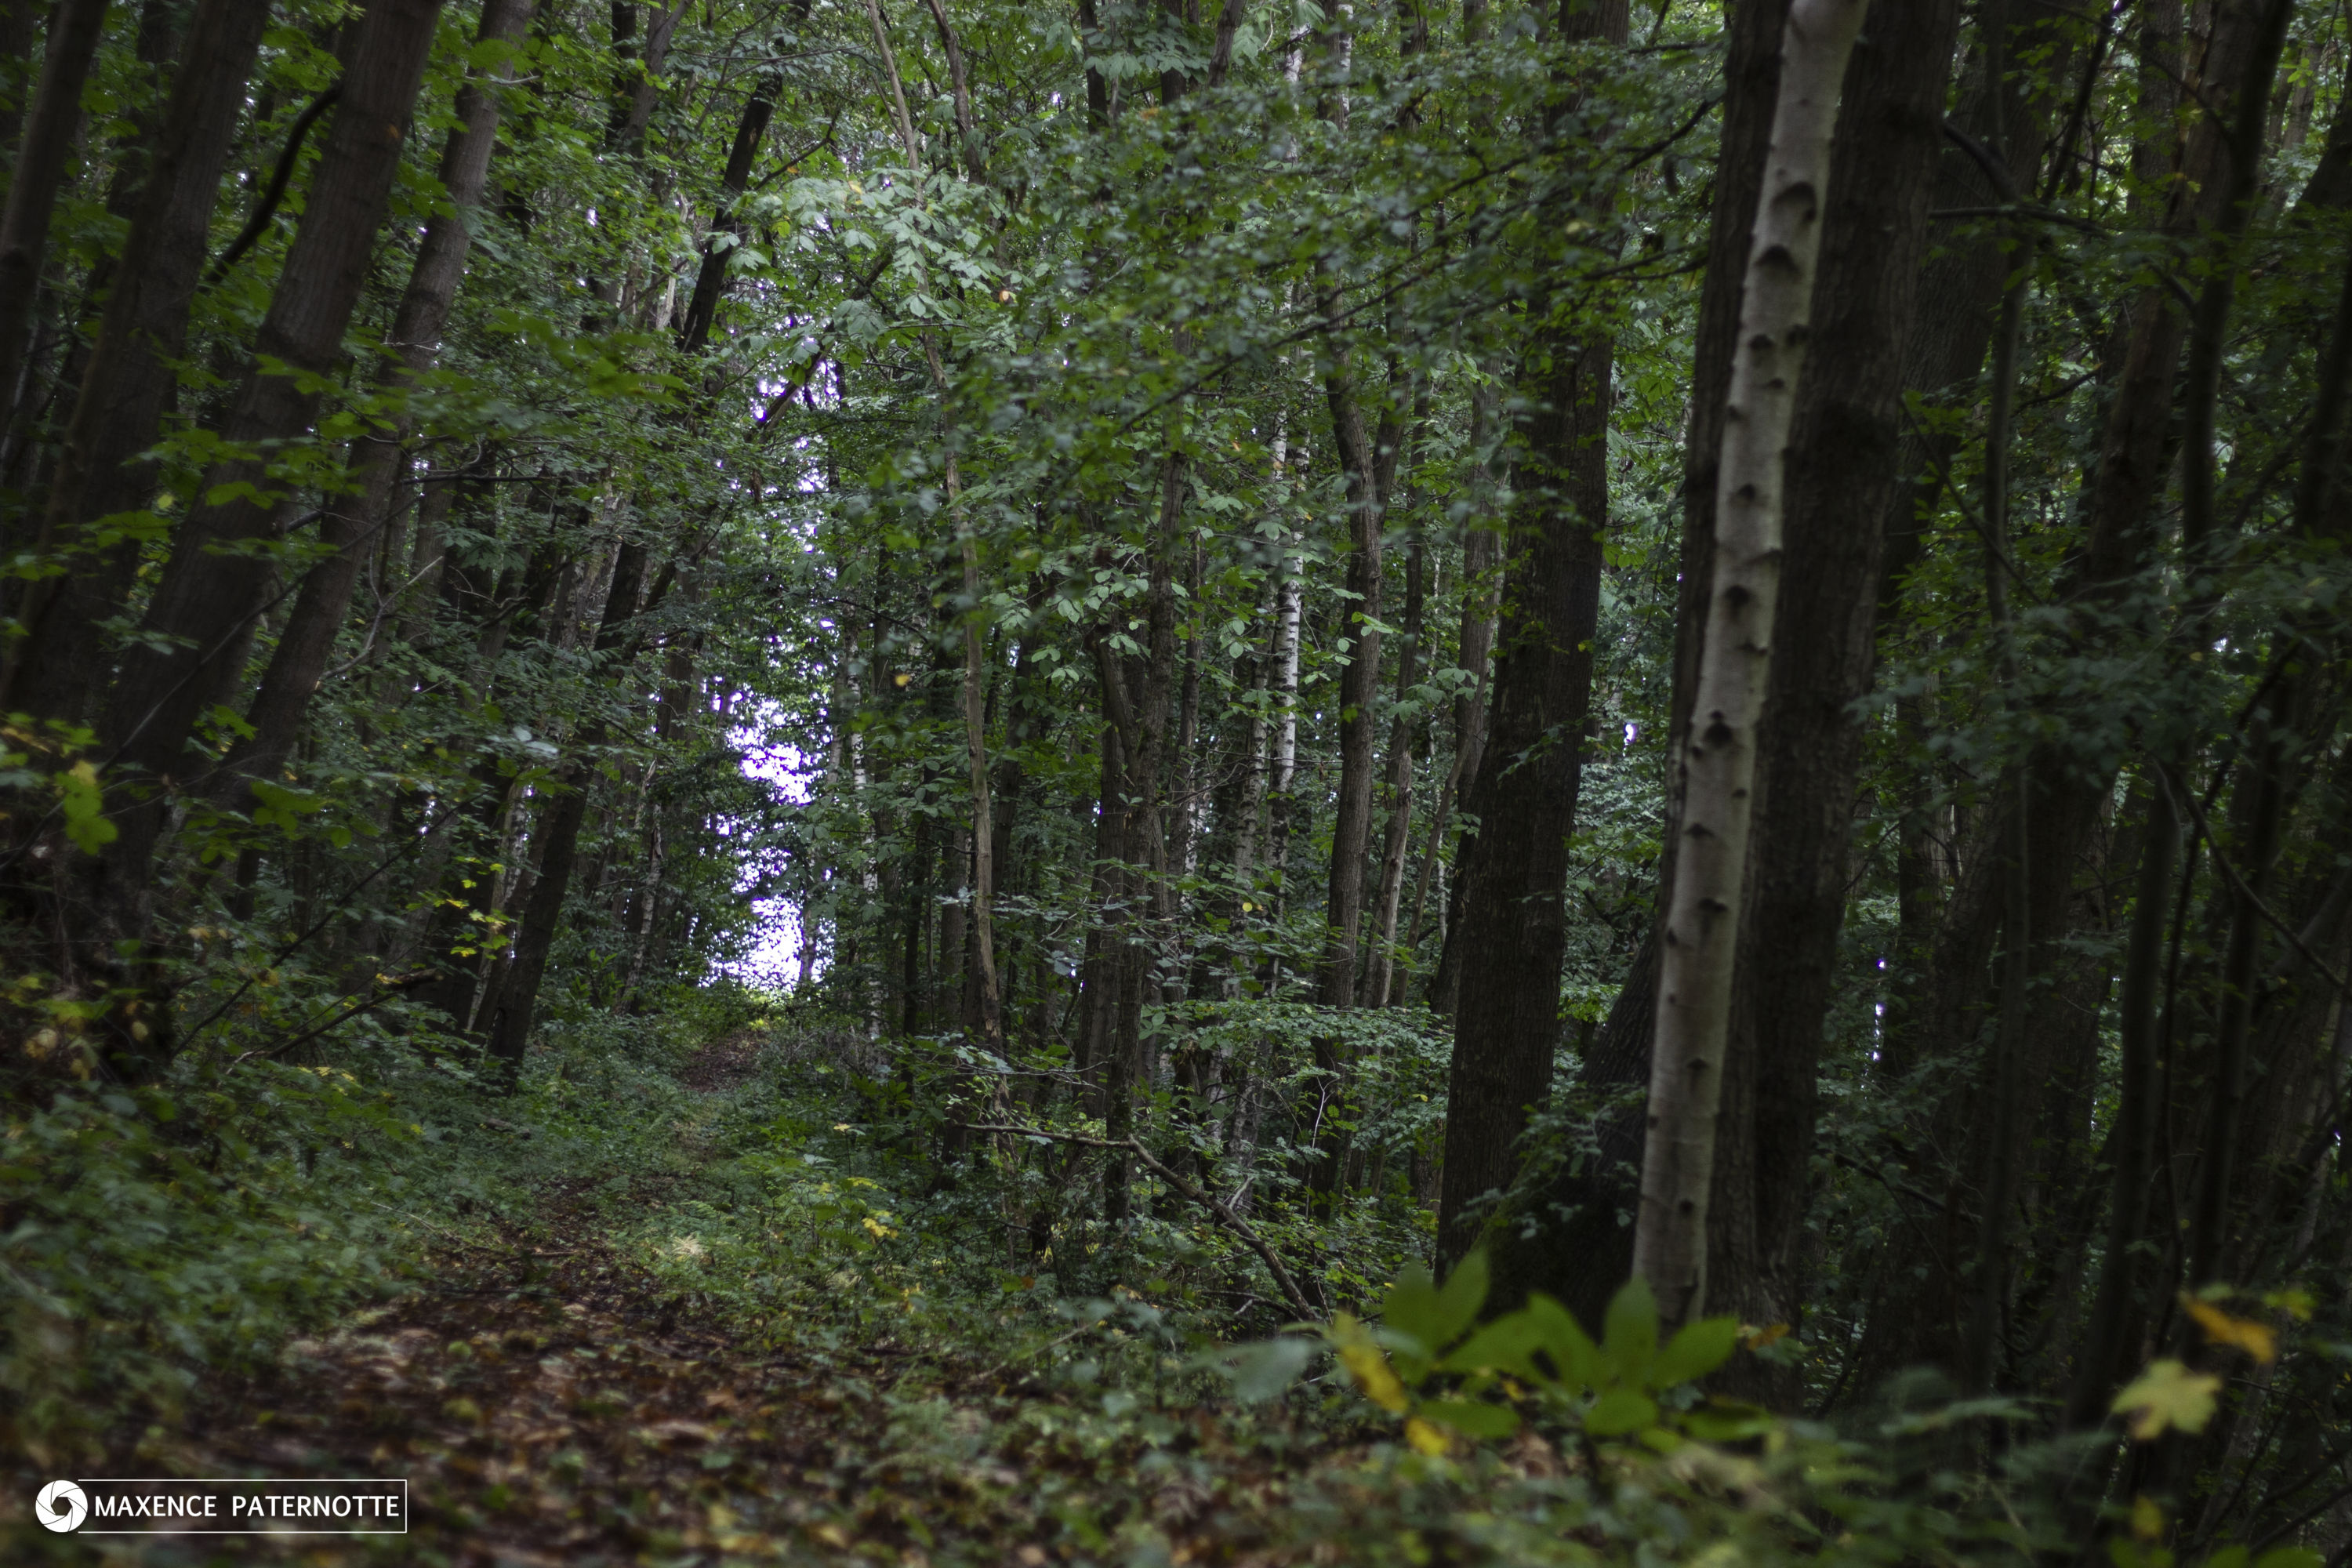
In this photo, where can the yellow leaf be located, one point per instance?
(2294, 1300)
(2147, 1519)
(1426, 1437)
(1367, 1364)
(1754, 1339)
(2166, 1395)
(2255, 1339)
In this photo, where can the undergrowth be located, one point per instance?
(1136, 1393)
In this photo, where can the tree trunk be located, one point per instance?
(18, 20)
(510, 1015)
(1359, 691)
(1404, 738)
(1511, 932)
(299, 660)
(1582, 1259)
(1481, 593)
(1842, 476)
(726, 229)
(62, 663)
(37, 175)
(1719, 756)
(210, 593)
(2104, 1349)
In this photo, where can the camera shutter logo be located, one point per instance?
(62, 1506)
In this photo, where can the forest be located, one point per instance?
(1152, 782)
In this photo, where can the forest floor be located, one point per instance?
(550, 1402)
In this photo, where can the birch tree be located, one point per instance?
(1717, 757)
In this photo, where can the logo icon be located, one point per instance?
(62, 1507)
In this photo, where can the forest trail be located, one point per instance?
(551, 1404)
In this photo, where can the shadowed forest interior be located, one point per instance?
(1182, 780)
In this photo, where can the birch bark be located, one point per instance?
(1718, 754)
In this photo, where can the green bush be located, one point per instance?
(146, 1236)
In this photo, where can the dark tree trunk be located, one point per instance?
(1582, 1260)
(1362, 461)
(2104, 1350)
(1359, 690)
(1842, 478)
(1514, 872)
(511, 1014)
(18, 19)
(35, 177)
(210, 593)
(1404, 740)
(1481, 593)
(299, 660)
(726, 229)
(129, 378)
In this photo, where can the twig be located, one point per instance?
(1943, 477)
(407, 847)
(258, 224)
(383, 993)
(1240, 1227)
(2245, 891)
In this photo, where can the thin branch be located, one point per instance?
(1238, 1226)
(1951, 488)
(258, 223)
(2245, 891)
(385, 992)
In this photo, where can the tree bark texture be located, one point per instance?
(1717, 757)
(63, 664)
(211, 591)
(1513, 924)
(352, 524)
(1842, 476)
(35, 177)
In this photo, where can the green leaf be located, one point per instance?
(2166, 1395)
(1559, 1335)
(1620, 1410)
(1471, 1416)
(1412, 1308)
(2289, 1557)
(83, 806)
(1436, 1316)
(1261, 1371)
(1458, 1301)
(1697, 1349)
(1725, 1421)
(1506, 1345)
(1629, 1335)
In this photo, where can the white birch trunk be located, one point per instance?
(1718, 755)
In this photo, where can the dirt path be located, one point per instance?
(551, 1410)
(550, 1403)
